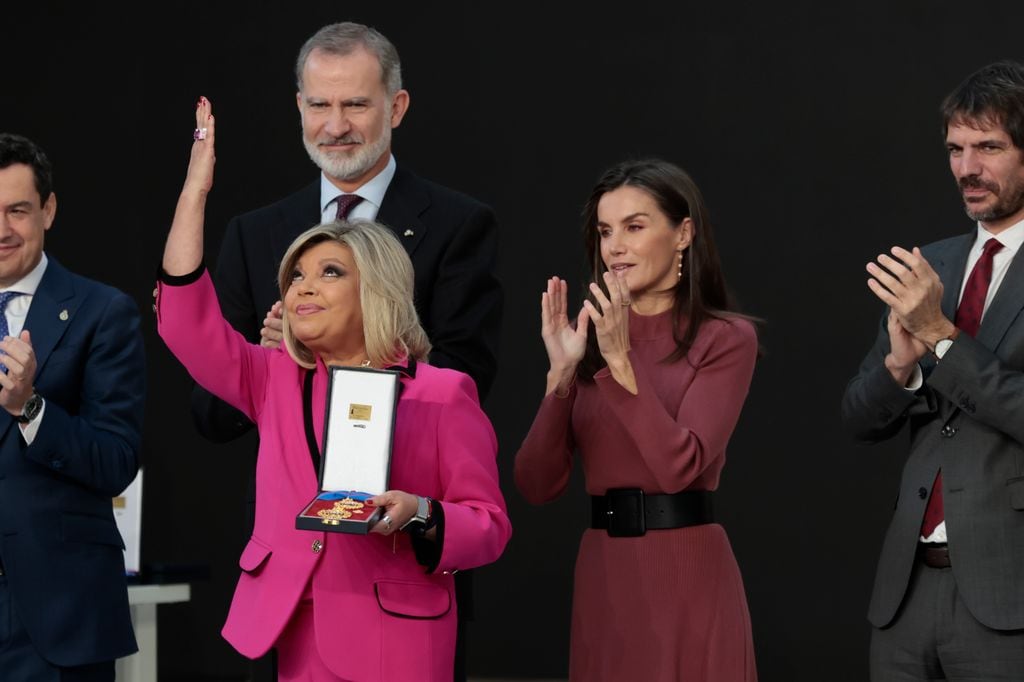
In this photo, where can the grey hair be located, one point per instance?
(343, 39)
(391, 326)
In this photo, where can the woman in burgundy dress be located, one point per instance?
(647, 386)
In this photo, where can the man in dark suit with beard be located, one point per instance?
(349, 98)
(948, 601)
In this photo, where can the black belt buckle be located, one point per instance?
(625, 510)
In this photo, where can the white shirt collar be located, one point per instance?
(1012, 238)
(371, 191)
(30, 282)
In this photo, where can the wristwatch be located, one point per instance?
(941, 346)
(423, 519)
(31, 409)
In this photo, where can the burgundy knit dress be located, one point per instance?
(669, 605)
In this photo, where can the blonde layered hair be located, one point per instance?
(391, 327)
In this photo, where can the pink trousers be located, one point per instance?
(297, 657)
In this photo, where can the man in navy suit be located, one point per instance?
(349, 98)
(72, 385)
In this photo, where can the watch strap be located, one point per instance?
(31, 409)
(423, 519)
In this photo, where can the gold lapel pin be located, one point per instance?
(408, 233)
(64, 315)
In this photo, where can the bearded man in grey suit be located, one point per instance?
(948, 601)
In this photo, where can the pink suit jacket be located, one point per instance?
(377, 614)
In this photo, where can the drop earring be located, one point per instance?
(679, 273)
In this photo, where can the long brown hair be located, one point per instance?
(701, 293)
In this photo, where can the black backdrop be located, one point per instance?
(813, 131)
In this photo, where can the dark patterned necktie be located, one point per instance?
(5, 298)
(968, 320)
(346, 202)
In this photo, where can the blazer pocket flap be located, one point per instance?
(412, 600)
(253, 556)
(91, 529)
(1015, 486)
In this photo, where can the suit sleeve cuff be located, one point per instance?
(428, 552)
(180, 280)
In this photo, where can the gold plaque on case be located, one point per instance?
(362, 412)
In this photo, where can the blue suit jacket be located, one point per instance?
(59, 543)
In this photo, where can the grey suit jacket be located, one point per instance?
(968, 420)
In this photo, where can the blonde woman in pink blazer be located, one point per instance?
(377, 607)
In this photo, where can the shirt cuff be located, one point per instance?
(916, 380)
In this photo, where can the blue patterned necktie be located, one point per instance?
(5, 298)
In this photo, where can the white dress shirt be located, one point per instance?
(371, 191)
(16, 312)
(1011, 238)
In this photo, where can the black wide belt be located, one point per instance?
(630, 512)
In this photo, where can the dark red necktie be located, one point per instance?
(968, 319)
(346, 202)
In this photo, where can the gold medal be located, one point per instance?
(342, 509)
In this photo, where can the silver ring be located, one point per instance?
(199, 134)
(386, 520)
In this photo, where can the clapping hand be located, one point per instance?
(905, 350)
(272, 333)
(16, 383)
(564, 344)
(611, 325)
(611, 322)
(910, 287)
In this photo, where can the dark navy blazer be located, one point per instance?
(59, 544)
